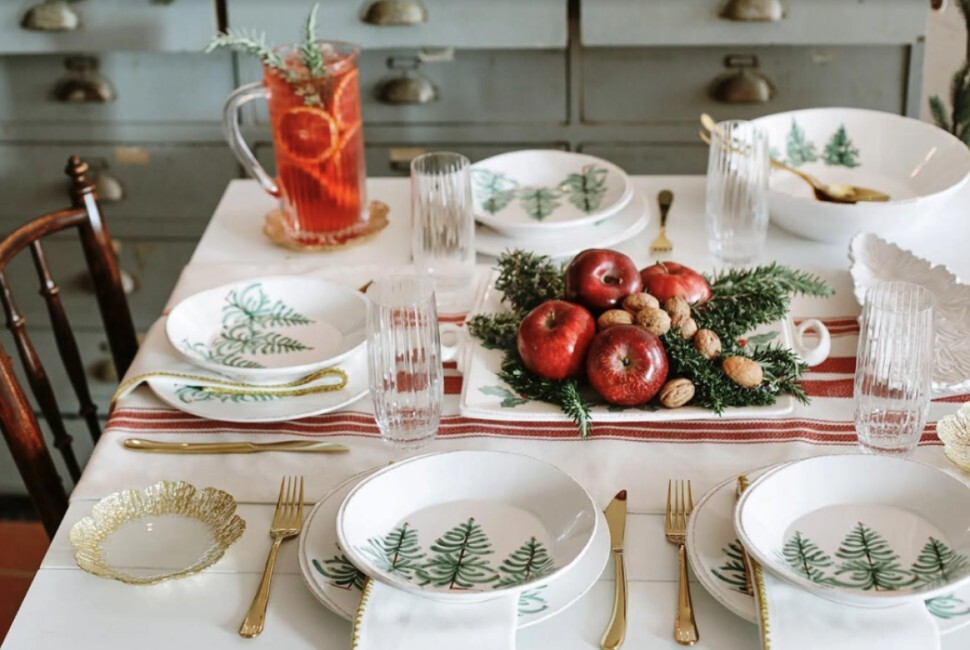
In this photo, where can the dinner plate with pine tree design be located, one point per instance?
(338, 584)
(862, 530)
(535, 192)
(715, 556)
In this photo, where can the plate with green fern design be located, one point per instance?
(867, 531)
(533, 192)
(338, 584)
(484, 524)
(715, 556)
(269, 329)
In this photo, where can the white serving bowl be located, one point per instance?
(270, 329)
(919, 165)
(453, 526)
(860, 530)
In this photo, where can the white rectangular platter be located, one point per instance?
(487, 397)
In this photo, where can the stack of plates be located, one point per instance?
(554, 203)
(506, 507)
(861, 531)
(266, 331)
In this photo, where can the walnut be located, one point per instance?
(612, 317)
(678, 309)
(653, 320)
(637, 302)
(743, 371)
(688, 328)
(676, 392)
(708, 344)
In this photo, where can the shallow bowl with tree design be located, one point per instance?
(467, 526)
(919, 165)
(863, 530)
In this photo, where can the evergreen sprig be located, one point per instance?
(958, 121)
(527, 280)
(248, 42)
(309, 49)
(743, 299)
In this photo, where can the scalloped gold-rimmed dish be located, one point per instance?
(168, 530)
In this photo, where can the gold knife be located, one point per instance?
(616, 519)
(138, 444)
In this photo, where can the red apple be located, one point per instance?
(665, 280)
(600, 279)
(626, 365)
(554, 337)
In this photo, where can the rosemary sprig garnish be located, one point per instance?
(309, 49)
(248, 42)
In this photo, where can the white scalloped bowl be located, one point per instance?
(919, 165)
(876, 260)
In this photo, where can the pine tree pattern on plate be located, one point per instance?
(732, 569)
(869, 562)
(807, 559)
(525, 564)
(509, 399)
(190, 394)
(539, 202)
(398, 552)
(586, 189)
(340, 572)
(458, 559)
(249, 318)
(497, 189)
(840, 151)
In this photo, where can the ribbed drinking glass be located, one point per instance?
(894, 367)
(737, 192)
(443, 226)
(404, 359)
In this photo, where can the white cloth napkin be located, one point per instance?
(793, 619)
(392, 619)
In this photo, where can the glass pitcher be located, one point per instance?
(318, 142)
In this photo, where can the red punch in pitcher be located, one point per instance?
(318, 141)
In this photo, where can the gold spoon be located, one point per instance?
(834, 193)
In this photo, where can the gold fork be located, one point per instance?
(661, 244)
(287, 522)
(679, 508)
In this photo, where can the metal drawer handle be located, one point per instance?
(410, 87)
(83, 84)
(107, 185)
(745, 86)
(386, 13)
(753, 10)
(51, 16)
(399, 158)
(129, 283)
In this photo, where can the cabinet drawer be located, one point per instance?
(161, 182)
(699, 22)
(508, 86)
(675, 82)
(147, 87)
(107, 25)
(395, 160)
(653, 157)
(153, 266)
(449, 23)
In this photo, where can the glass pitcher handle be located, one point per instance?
(230, 123)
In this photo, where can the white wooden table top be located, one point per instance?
(67, 608)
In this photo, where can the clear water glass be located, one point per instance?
(894, 367)
(443, 226)
(404, 359)
(737, 192)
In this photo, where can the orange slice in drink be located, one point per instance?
(308, 133)
(345, 104)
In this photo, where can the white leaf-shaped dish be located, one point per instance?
(875, 260)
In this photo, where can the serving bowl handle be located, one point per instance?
(820, 351)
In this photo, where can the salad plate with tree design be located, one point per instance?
(533, 192)
(338, 584)
(269, 329)
(716, 558)
(472, 519)
(862, 530)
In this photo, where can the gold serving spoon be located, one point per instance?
(834, 193)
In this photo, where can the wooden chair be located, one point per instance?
(17, 420)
